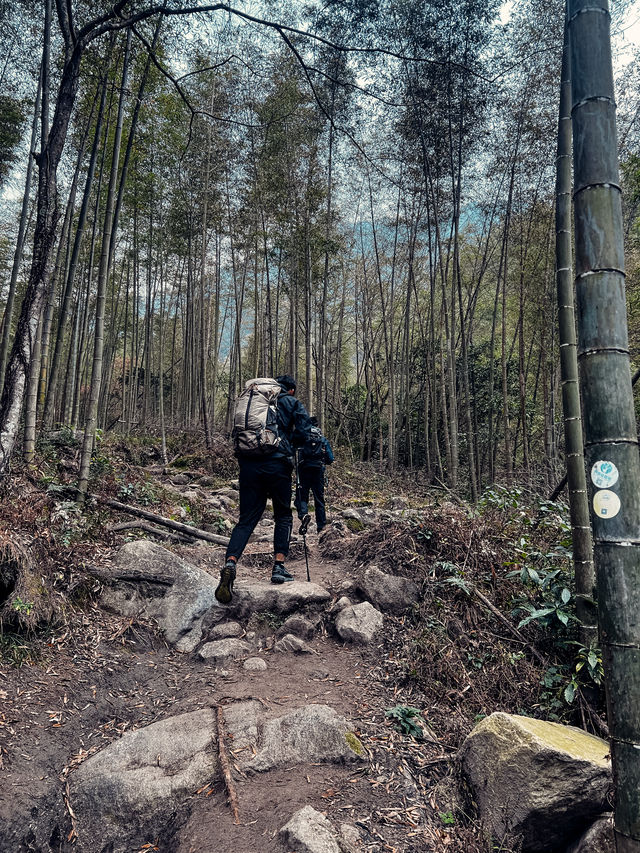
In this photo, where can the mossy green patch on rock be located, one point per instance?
(574, 741)
(354, 744)
(354, 525)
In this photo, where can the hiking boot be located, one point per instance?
(224, 590)
(304, 526)
(279, 574)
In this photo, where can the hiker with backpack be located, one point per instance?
(313, 455)
(268, 422)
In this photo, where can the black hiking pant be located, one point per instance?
(261, 479)
(311, 479)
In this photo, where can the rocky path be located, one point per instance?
(122, 745)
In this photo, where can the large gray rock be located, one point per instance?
(537, 780)
(147, 580)
(132, 789)
(388, 593)
(598, 838)
(312, 733)
(309, 831)
(359, 623)
(135, 783)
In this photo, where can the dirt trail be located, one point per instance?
(120, 676)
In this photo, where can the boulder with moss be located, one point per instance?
(539, 782)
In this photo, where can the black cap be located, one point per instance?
(287, 382)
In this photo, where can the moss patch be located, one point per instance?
(354, 525)
(354, 744)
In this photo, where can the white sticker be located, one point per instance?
(604, 474)
(606, 504)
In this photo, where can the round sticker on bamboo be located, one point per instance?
(606, 504)
(604, 474)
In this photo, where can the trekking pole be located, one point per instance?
(306, 555)
(304, 531)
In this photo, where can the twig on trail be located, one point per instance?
(505, 621)
(224, 765)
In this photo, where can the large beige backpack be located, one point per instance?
(255, 424)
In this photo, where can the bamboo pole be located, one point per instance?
(611, 447)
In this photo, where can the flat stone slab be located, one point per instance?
(263, 596)
(135, 782)
(313, 733)
(131, 789)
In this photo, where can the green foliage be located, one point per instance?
(12, 118)
(101, 465)
(588, 671)
(67, 522)
(447, 818)
(22, 607)
(402, 718)
(14, 649)
(142, 493)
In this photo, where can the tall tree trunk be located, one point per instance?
(576, 479)
(103, 274)
(22, 228)
(47, 417)
(609, 416)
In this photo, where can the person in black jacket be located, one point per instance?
(265, 477)
(313, 455)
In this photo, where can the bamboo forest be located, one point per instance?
(422, 218)
(230, 197)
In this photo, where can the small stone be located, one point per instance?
(180, 480)
(298, 625)
(341, 603)
(255, 664)
(349, 835)
(225, 630)
(221, 650)
(359, 624)
(289, 643)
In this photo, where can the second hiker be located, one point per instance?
(313, 455)
(268, 422)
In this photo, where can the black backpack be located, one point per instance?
(312, 451)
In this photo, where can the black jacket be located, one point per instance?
(294, 425)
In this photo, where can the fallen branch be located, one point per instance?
(507, 624)
(185, 529)
(224, 765)
(142, 525)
